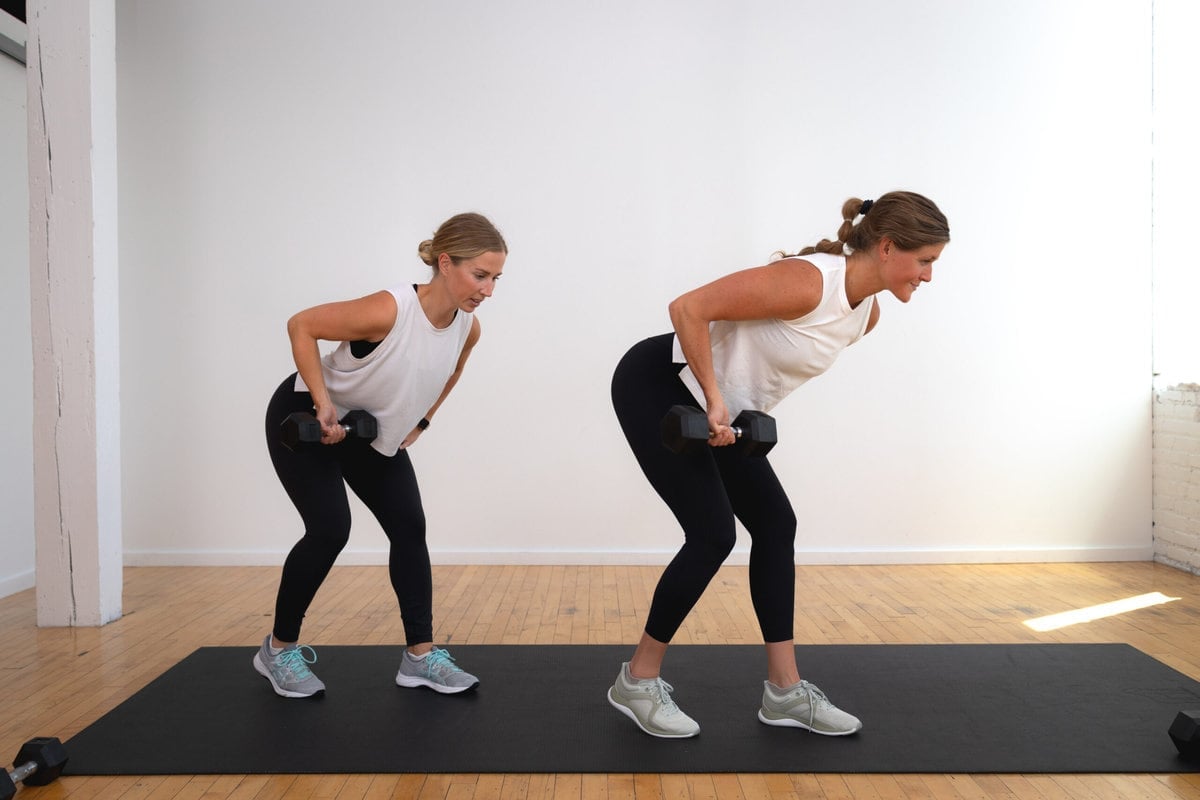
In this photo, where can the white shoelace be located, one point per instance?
(662, 692)
(814, 696)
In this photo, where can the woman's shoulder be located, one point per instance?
(401, 296)
(825, 262)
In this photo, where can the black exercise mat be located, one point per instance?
(541, 708)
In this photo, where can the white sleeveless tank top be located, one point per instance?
(403, 376)
(759, 362)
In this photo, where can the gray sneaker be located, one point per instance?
(648, 703)
(436, 670)
(288, 671)
(805, 706)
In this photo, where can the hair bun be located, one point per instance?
(425, 251)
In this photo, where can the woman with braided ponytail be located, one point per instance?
(744, 342)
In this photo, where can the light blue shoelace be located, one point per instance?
(439, 661)
(297, 663)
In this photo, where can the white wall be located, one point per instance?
(1176, 286)
(1176, 172)
(275, 158)
(16, 357)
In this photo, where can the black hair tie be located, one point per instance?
(866, 206)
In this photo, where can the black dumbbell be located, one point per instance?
(1185, 733)
(302, 428)
(39, 762)
(685, 430)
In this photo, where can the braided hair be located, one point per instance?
(907, 218)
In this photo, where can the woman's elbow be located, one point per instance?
(296, 329)
(677, 309)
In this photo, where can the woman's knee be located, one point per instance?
(777, 527)
(329, 532)
(405, 526)
(785, 528)
(780, 545)
(713, 547)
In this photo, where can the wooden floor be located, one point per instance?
(57, 681)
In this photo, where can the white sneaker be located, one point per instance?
(648, 703)
(805, 706)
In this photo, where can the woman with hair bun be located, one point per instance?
(400, 352)
(744, 342)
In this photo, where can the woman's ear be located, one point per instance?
(444, 263)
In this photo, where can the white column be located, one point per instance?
(71, 68)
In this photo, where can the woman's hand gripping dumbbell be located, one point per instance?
(301, 428)
(685, 430)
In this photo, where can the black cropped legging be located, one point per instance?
(705, 492)
(316, 479)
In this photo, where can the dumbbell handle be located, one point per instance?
(19, 774)
(349, 429)
(737, 432)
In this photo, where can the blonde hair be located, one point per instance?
(461, 237)
(907, 218)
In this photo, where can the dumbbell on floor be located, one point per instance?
(1185, 733)
(40, 761)
(685, 430)
(302, 428)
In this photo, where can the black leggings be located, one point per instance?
(705, 492)
(315, 478)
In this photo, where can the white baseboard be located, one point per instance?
(11, 584)
(739, 557)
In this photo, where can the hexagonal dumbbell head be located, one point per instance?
(758, 434)
(360, 425)
(685, 429)
(1185, 733)
(48, 754)
(299, 427)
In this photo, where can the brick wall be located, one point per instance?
(1177, 476)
